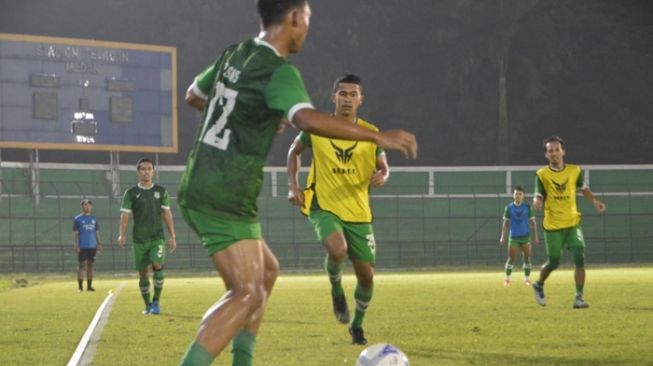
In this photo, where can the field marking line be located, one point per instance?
(94, 330)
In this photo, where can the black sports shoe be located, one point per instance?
(340, 309)
(357, 336)
(90, 289)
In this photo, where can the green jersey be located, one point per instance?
(249, 89)
(146, 205)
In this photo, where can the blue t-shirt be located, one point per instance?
(87, 225)
(519, 217)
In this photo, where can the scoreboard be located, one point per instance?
(74, 94)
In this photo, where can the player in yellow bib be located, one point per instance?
(555, 189)
(337, 201)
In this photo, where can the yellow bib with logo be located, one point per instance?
(340, 177)
(560, 210)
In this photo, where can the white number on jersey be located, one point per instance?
(226, 98)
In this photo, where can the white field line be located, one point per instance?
(93, 329)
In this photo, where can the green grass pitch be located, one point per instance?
(439, 318)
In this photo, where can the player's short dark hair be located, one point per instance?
(86, 200)
(143, 160)
(348, 79)
(554, 139)
(274, 11)
(520, 189)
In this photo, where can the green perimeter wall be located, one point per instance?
(423, 218)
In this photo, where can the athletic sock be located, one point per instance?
(196, 355)
(144, 284)
(243, 348)
(509, 266)
(335, 276)
(80, 284)
(89, 283)
(579, 290)
(363, 296)
(158, 278)
(527, 269)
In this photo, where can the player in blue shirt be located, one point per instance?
(86, 242)
(519, 218)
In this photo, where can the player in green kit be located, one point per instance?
(244, 95)
(555, 187)
(148, 203)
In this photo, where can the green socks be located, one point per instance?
(527, 269)
(579, 290)
(196, 355)
(144, 284)
(243, 348)
(158, 283)
(335, 276)
(509, 267)
(362, 296)
(243, 351)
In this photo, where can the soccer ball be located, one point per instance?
(382, 354)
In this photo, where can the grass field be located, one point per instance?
(454, 318)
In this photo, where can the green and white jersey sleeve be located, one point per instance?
(204, 82)
(126, 205)
(286, 92)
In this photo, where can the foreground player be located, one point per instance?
(337, 200)
(86, 242)
(148, 202)
(519, 219)
(244, 95)
(555, 186)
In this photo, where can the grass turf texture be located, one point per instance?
(461, 318)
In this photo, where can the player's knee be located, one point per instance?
(552, 263)
(366, 278)
(252, 295)
(157, 266)
(271, 272)
(579, 259)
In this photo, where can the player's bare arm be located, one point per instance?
(293, 163)
(172, 240)
(196, 101)
(598, 205)
(504, 229)
(124, 221)
(322, 124)
(76, 241)
(382, 172)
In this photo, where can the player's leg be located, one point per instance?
(577, 248)
(526, 253)
(157, 256)
(81, 268)
(362, 250)
(328, 228)
(249, 270)
(141, 263)
(89, 269)
(512, 253)
(244, 341)
(241, 266)
(553, 242)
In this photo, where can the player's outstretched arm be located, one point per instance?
(325, 125)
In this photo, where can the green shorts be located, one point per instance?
(360, 238)
(217, 233)
(518, 242)
(569, 238)
(149, 252)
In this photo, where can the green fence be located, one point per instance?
(424, 217)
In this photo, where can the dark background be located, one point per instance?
(480, 82)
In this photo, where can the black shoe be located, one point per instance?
(357, 336)
(90, 289)
(340, 309)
